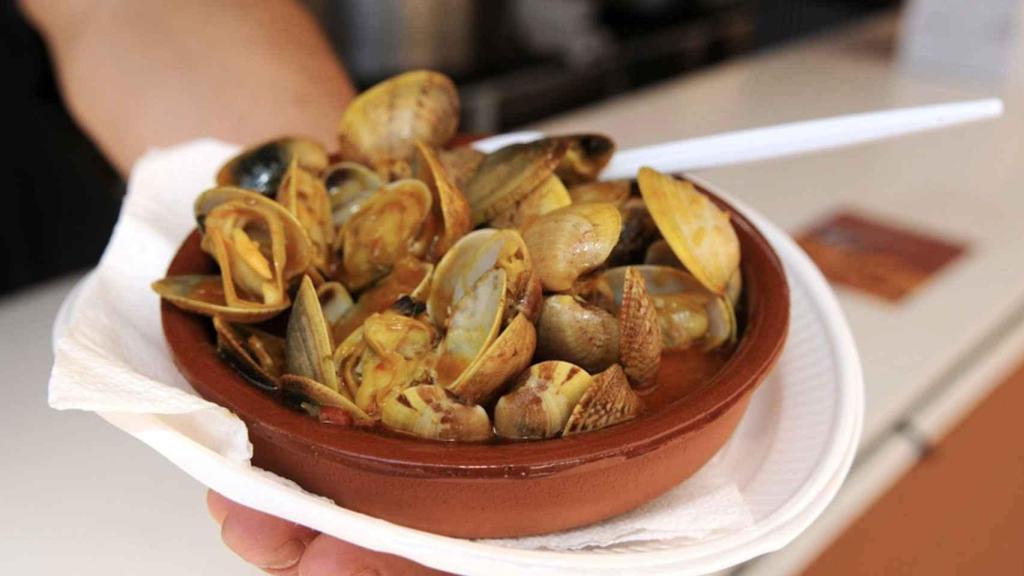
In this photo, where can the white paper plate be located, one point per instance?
(789, 456)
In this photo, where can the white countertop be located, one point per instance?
(144, 516)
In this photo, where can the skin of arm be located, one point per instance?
(141, 74)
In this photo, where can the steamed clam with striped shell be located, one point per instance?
(403, 283)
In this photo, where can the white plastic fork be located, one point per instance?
(781, 140)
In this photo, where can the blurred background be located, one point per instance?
(920, 236)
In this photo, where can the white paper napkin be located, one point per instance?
(113, 358)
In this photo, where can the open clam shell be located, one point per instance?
(305, 197)
(699, 232)
(262, 167)
(204, 294)
(474, 255)
(392, 359)
(250, 259)
(498, 364)
(474, 323)
(380, 126)
(298, 250)
(383, 231)
(312, 391)
(540, 404)
(430, 411)
(258, 355)
(349, 185)
(409, 277)
(335, 301)
(309, 352)
(450, 209)
(688, 313)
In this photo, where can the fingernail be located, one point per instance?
(286, 556)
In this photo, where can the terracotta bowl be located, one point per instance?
(498, 490)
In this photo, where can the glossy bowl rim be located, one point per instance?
(193, 349)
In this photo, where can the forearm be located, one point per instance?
(137, 74)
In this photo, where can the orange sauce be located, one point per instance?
(682, 372)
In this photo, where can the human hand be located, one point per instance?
(283, 548)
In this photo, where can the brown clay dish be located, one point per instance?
(508, 489)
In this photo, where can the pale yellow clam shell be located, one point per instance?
(699, 232)
(381, 125)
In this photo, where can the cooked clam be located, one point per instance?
(349, 185)
(461, 163)
(585, 157)
(249, 248)
(204, 294)
(390, 352)
(304, 195)
(308, 342)
(477, 358)
(640, 344)
(474, 323)
(549, 196)
(430, 411)
(573, 330)
(698, 231)
(379, 128)
(571, 241)
(508, 175)
(262, 167)
(309, 390)
(256, 243)
(608, 401)
(498, 364)
(687, 312)
(391, 332)
(450, 209)
(540, 404)
(409, 277)
(298, 250)
(683, 318)
(383, 231)
(335, 301)
(474, 255)
(259, 355)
